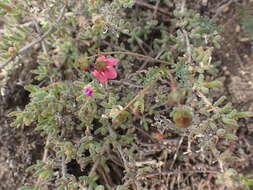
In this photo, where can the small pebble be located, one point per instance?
(244, 39)
(204, 3)
(226, 9)
(237, 29)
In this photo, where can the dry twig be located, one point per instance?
(161, 10)
(44, 160)
(222, 7)
(174, 173)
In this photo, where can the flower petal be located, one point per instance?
(110, 72)
(101, 58)
(100, 76)
(88, 91)
(111, 61)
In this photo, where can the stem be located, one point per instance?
(44, 160)
(173, 82)
(142, 92)
(130, 53)
(207, 102)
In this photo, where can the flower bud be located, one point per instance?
(182, 117)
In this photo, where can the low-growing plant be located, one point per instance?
(246, 18)
(129, 94)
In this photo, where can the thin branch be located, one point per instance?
(222, 7)
(188, 46)
(130, 53)
(44, 159)
(97, 162)
(126, 83)
(175, 173)
(39, 31)
(27, 24)
(175, 155)
(161, 10)
(183, 6)
(142, 92)
(146, 62)
(156, 7)
(207, 102)
(186, 38)
(63, 169)
(28, 46)
(139, 164)
(173, 83)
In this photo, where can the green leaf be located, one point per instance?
(230, 136)
(212, 125)
(18, 122)
(32, 88)
(100, 187)
(122, 117)
(44, 173)
(242, 115)
(80, 84)
(229, 121)
(27, 188)
(15, 113)
(227, 108)
(212, 84)
(219, 101)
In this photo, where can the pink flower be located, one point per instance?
(88, 91)
(104, 69)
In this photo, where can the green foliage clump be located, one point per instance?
(246, 18)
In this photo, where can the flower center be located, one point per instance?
(100, 65)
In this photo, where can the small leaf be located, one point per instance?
(80, 84)
(122, 117)
(227, 108)
(15, 113)
(229, 121)
(44, 173)
(100, 187)
(27, 188)
(213, 126)
(219, 101)
(32, 88)
(242, 115)
(212, 84)
(230, 136)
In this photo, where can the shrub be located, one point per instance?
(165, 94)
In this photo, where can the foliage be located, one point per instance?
(108, 133)
(246, 18)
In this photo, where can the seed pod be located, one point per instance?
(182, 117)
